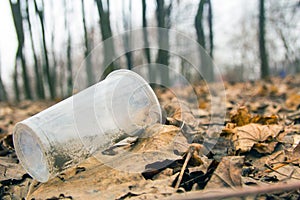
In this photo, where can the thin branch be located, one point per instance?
(238, 192)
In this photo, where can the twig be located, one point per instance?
(279, 165)
(188, 157)
(274, 170)
(238, 192)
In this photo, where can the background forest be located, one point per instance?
(43, 43)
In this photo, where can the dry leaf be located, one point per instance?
(10, 169)
(180, 112)
(294, 155)
(293, 101)
(240, 116)
(261, 137)
(265, 120)
(228, 173)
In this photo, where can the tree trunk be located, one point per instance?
(127, 36)
(210, 26)
(16, 82)
(211, 39)
(264, 65)
(88, 61)
(199, 25)
(54, 70)
(206, 66)
(18, 22)
(106, 33)
(3, 93)
(46, 67)
(163, 21)
(69, 65)
(151, 71)
(69, 74)
(38, 75)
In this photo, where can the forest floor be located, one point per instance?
(253, 150)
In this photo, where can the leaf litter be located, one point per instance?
(258, 145)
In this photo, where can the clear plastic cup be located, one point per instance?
(84, 124)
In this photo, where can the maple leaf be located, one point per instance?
(259, 137)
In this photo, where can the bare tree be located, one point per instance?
(53, 53)
(47, 71)
(206, 66)
(151, 71)
(38, 74)
(18, 22)
(109, 50)
(69, 53)
(87, 56)
(16, 83)
(3, 93)
(199, 24)
(264, 65)
(127, 37)
(69, 64)
(284, 20)
(210, 27)
(163, 21)
(145, 33)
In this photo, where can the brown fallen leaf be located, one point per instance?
(228, 173)
(10, 169)
(228, 130)
(294, 155)
(293, 101)
(265, 120)
(241, 116)
(260, 137)
(159, 145)
(180, 111)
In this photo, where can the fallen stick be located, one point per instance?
(237, 192)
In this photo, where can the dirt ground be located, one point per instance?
(197, 149)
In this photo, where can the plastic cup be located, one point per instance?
(84, 124)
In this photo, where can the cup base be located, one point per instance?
(30, 153)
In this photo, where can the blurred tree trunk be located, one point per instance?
(16, 82)
(69, 53)
(146, 41)
(109, 50)
(163, 21)
(264, 65)
(69, 64)
(127, 37)
(61, 77)
(47, 72)
(88, 61)
(211, 40)
(210, 26)
(199, 25)
(39, 85)
(3, 93)
(18, 22)
(206, 66)
(54, 70)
